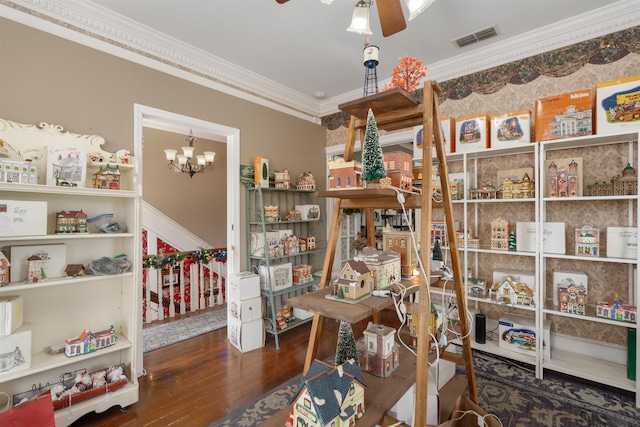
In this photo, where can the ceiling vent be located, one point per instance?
(476, 37)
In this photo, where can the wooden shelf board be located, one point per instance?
(379, 396)
(383, 102)
(316, 302)
(377, 198)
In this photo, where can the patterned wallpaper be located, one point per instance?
(515, 87)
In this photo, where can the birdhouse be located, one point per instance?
(107, 177)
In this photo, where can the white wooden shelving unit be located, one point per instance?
(60, 308)
(589, 359)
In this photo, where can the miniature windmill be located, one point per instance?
(370, 63)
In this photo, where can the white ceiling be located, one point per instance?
(291, 51)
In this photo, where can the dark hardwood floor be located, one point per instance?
(198, 381)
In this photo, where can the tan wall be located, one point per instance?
(44, 78)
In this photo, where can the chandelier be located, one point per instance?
(186, 162)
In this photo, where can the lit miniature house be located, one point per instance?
(563, 183)
(399, 167)
(587, 240)
(382, 353)
(500, 234)
(344, 175)
(616, 310)
(71, 222)
(508, 291)
(355, 281)
(572, 297)
(5, 266)
(435, 323)
(89, 342)
(385, 266)
(108, 177)
(34, 269)
(329, 396)
(400, 241)
(283, 179)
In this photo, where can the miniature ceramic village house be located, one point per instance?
(616, 310)
(283, 179)
(563, 183)
(344, 175)
(34, 269)
(399, 167)
(382, 353)
(500, 234)
(88, 342)
(355, 281)
(329, 396)
(4, 269)
(71, 222)
(107, 177)
(508, 291)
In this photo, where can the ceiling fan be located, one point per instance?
(390, 12)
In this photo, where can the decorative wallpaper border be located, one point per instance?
(557, 63)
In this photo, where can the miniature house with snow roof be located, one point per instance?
(509, 291)
(355, 281)
(382, 353)
(329, 396)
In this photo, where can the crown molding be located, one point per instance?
(94, 26)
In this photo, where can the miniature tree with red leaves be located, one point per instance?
(407, 74)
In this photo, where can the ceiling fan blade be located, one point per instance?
(391, 16)
(282, 1)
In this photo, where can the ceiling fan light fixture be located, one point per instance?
(360, 19)
(416, 7)
(327, 1)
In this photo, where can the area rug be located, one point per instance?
(165, 334)
(509, 391)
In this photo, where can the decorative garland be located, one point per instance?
(203, 256)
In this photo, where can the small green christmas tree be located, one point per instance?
(372, 158)
(346, 347)
(512, 241)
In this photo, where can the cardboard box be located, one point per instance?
(472, 133)
(553, 241)
(23, 218)
(564, 116)
(243, 286)
(448, 126)
(15, 350)
(309, 212)
(246, 336)
(10, 314)
(301, 314)
(622, 242)
(257, 242)
(244, 310)
(54, 260)
(518, 333)
(279, 276)
(617, 107)
(66, 164)
(509, 129)
(261, 171)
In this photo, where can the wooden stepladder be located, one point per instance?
(393, 110)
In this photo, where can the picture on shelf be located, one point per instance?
(66, 166)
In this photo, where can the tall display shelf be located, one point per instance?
(263, 230)
(394, 109)
(591, 356)
(481, 259)
(60, 308)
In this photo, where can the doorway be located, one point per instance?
(149, 117)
